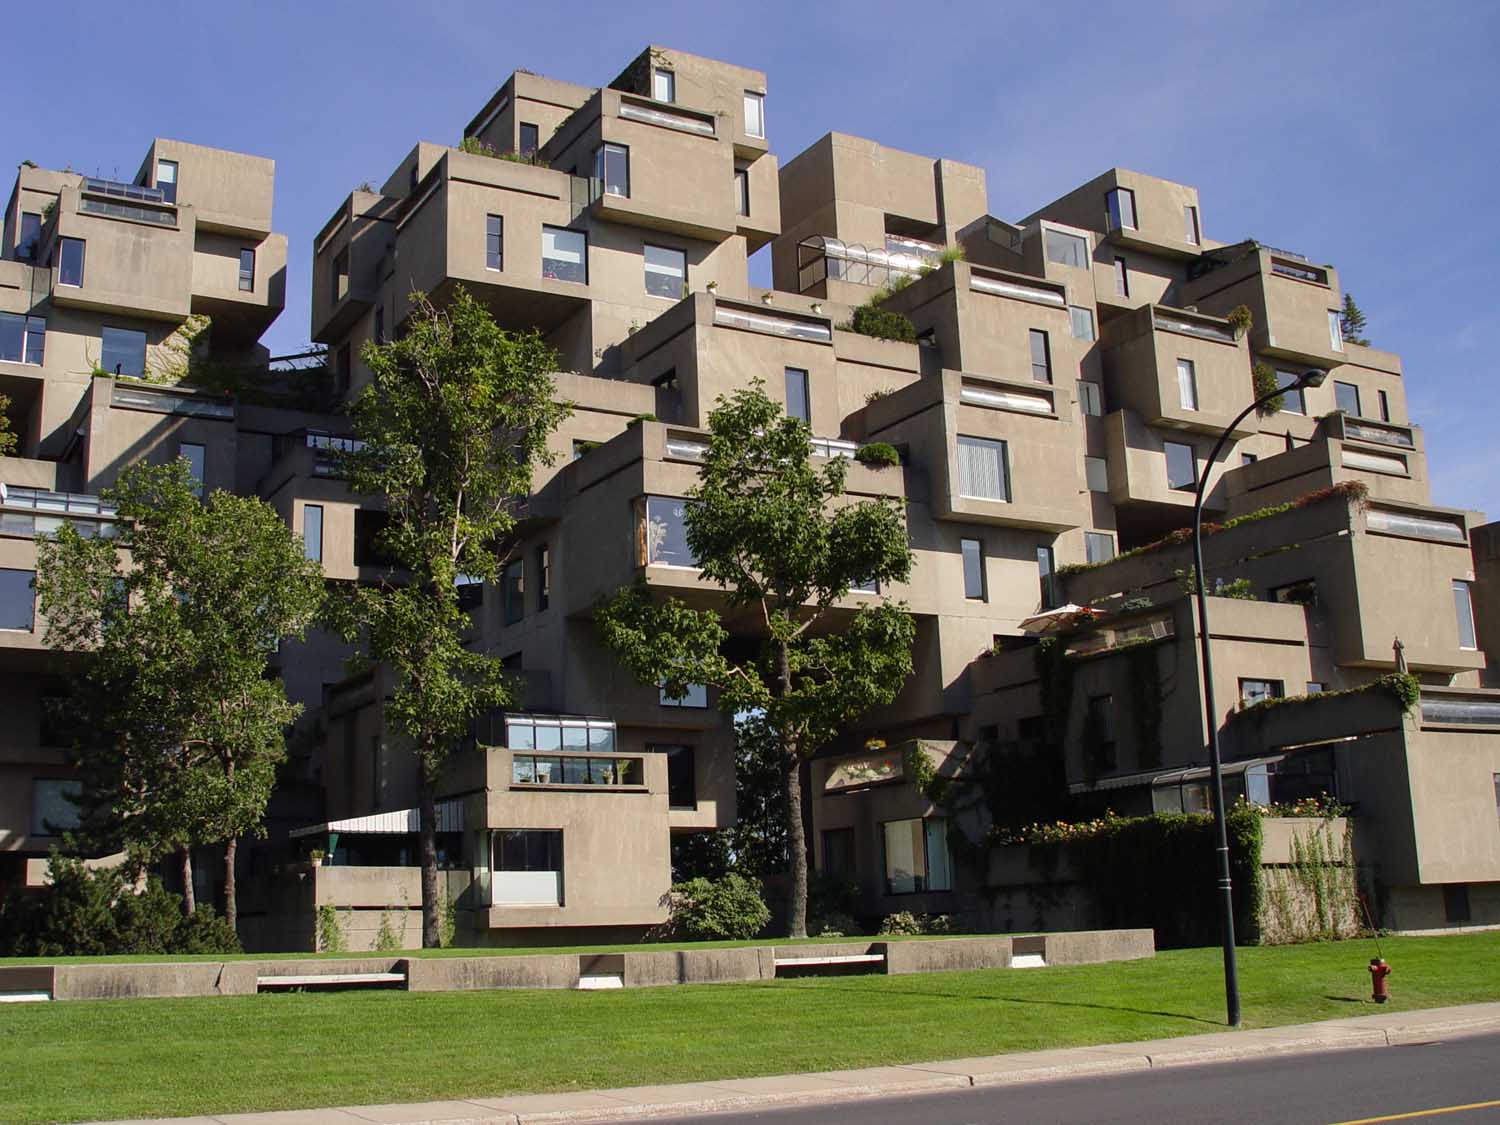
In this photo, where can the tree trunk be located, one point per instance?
(431, 932)
(797, 846)
(231, 906)
(188, 905)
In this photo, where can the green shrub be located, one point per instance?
(953, 253)
(151, 921)
(905, 922)
(883, 324)
(330, 935)
(833, 925)
(203, 931)
(639, 418)
(1263, 382)
(718, 909)
(877, 455)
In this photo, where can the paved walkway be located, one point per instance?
(1380, 1030)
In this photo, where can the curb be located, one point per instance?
(696, 1098)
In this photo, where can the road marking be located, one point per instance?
(1422, 1113)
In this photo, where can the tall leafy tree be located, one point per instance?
(456, 415)
(1352, 322)
(8, 440)
(778, 535)
(177, 728)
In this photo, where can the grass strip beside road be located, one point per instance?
(87, 1060)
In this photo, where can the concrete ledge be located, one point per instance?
(903, 957)
(132, 981)
(466, 974)
(1088, 947)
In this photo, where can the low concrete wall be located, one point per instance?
(465, 974)
(1088, 947)
(902, 957)
(694, 966)
(124, 982)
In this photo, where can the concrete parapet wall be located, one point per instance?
(902, 957)
(1087, 947)
(123, 982)
(466, 974)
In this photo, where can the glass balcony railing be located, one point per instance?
(31, 512)
(121, 190)
(576, 769)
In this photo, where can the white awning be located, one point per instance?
(450, 818)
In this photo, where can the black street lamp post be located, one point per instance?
(1210, 709)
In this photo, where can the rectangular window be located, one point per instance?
(17, 599)
(1316, 687)
(369, 527)
(247, 271)
(1346, 398)
(1190, 230)
(1248, 459)
(1182, 466)
(31, 234)
(1122, 278)
(23, 339)
(1456, 903)
(312, 532)
(1187, 384)
(1098, 546)
(612, 170)
(1041, 356)
(529, 140)
(1303, 592)
(1066, 249)
(797, 394)
(1258, 691)
(973, 555)
(527, 867)
(682, 779)
(338, 278)
(666, 272)
(470, 592)
(1080, 323)
(982, 469)
(53, 811)
(122, 351)
(916, 856)
(838, 851)
(380, 324)
(494, 242)
(742, 191)
(1096, 473)
(664, 86)
(1385, 406)
(193, 454)
(755, 114)
(1099, 727)
(696, 695)
(70, 261)
(1090, 400)
(512, 592)
(1335, 330)
(1120, 207)
(565, 255)
(342, 369)
(543, 577)
(666, 532)
(166, 179)
(1292, 402)
(1463, 607)
(1047, 571)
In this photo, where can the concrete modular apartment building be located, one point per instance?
(1069, 376)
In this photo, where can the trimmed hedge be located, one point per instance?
(878, 455)
(868, 320)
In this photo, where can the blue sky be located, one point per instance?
(1357, 134)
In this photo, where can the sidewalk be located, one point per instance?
(1379, 1030)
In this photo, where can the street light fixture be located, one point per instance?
(1313, 378)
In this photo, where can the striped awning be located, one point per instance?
(450, 818)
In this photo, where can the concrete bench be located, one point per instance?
(339, 980)
(842, 959)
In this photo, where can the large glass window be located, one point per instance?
(23, 339)
(338, 276)
(512, 592)
(666, 272)
(1041, 356)
(1346, 397)
(1182, 466)
(973, 555)
(494, 242)
(1258, 691)
(696, 695)
(755, 114)
(1122, 278)
(1080, 323)
(527, 866)
(312, 532)
(1293, 402)
(122, 351)
(612, 169)
(247, 271)
(742, 191)
(528, 139)
(1187, 384)
(666, 532)
(682, 780)
(1335, 330)
(983, 472)
(664, 86)
(916, 856)
(53, 808)
(1463, 605)
(1047, 571)
(1098, 546)
(1090, 399)
(1385, 406)
(1096, 474)
(797, 394)
(565, 255)
(17, 599)
(30, 235)
(166, 179)
(70, 261)
(1066, 249)
(1190, 230)
(1120, 206)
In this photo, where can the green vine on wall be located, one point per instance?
(1143, 677)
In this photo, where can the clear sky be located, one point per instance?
(1360, 134)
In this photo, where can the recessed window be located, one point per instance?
(696, 695)
(380, 324)
(1302, 592)
(527, 867)
(973, 556)
(916, 856)
(1099, 731)
(343, 372)
(1122, 278)
(742, 191)
(312, 532)
(543, 577)
(1258, 691)
(247, 270)
(1098, 546)
(1456, 910)
(1463, 605)
(1090, 399)
(512, 592)
(664, 86)
(1047, 571)
(23, 339)
(797, 405)
(193, 454)
(1041, 356)
(166, 179)
(665, 533)
(1346, 398)
(1096, 473)
(1385, 406)
(565, 255)
(983, 471)
(122, 351)
(1080, 323)
(1248, 459)
(1187, 384)
(1119, 205)
(338, 277)
(838, 851)
(1335, 330)
(528, 139)
(494, 242)
(1190, 231)
(17, 599)
(54, 808)
(666, 272)
(70, 261)
(1066, 249)
(30, 235)
(1292, 401)
(682, 780)
(755, 115)
(612, 170)
(1182, 466)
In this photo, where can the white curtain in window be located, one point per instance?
(981, 469)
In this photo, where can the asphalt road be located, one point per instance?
(1444, 1082)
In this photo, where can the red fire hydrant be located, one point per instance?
(1379, 970)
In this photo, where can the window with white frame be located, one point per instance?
(312, 532)
(797, 402)
(1098, 546)
(1335, 330)
(70, 261)
(666, 272)
(755, 115)
(972, 551)
(1463, 606)
(1119, 206)
(1066, 249)
(1187, 384)
(166, 179)
(1046, 569)
(247, 270)
(983, 471)
(663, 85)
(1080, 323)
(612, 169)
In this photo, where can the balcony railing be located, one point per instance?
(1204, 330)
(577, 770)
(36, 511)
(121, 190)
(111, 210)
(816, 331)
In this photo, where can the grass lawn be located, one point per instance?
(125, 1058)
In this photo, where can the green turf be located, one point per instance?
(126, 1058)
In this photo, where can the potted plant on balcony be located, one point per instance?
(315, 857)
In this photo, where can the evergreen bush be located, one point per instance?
(732, 907)
(883, 324)
(878, 455)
